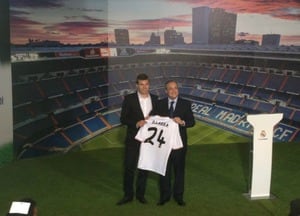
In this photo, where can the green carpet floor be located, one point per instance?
(88, 183)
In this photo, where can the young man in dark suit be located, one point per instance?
(135, 109)
(180, 110)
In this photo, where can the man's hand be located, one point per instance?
(179, 121)
(140, 123)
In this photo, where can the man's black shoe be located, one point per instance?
(162, 202)
(124, 200)
(142, 200)
(180, 202)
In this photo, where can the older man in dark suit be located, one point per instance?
(135, 109)
(180, 110)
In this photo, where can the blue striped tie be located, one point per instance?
(171, 110)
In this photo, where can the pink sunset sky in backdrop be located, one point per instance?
(93, 21)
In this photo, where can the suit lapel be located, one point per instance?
(177, 107)
(139, 108)
(166, 107)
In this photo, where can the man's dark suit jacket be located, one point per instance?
(132, 113)
(182, 110)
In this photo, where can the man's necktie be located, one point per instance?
(171, 110)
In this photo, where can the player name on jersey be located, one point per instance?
(162, 123)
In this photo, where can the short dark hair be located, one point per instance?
(141, 76)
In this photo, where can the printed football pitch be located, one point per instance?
(89, 182)
(199, 134)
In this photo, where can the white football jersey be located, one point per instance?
(158, 137)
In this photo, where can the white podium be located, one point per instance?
(263, 126)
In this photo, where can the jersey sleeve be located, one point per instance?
(141, 134)
(176, 139)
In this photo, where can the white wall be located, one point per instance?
(6, 116)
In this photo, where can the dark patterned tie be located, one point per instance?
(171, 110)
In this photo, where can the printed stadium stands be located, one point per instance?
(60, 112)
